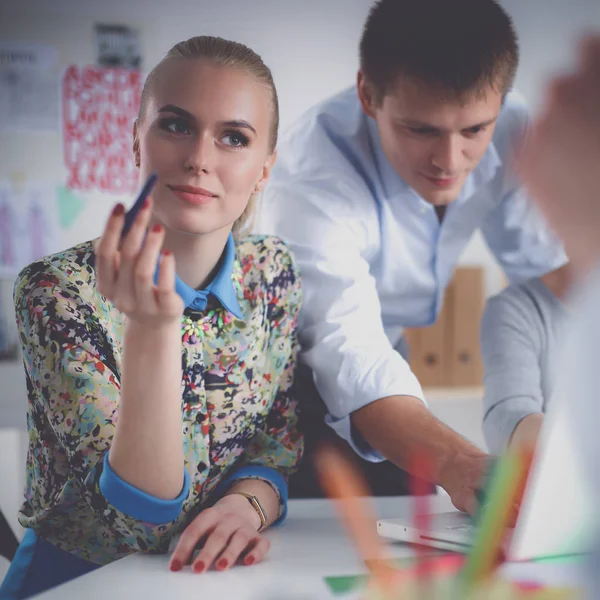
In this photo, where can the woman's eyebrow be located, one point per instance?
(177, 110)
(238, 123)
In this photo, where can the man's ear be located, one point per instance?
(136, 144)
(365, 94)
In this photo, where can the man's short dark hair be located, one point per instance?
(458, 46)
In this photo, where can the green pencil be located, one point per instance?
(505, 485)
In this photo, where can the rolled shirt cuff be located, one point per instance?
(138, 504)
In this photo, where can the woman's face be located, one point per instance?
(205, 131)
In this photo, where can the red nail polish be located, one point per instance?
(167, 253)
(222, 564)
(198, 567)
(249, 560)
(146, 203)
(157, 228)
(118, 210)
(175, 565)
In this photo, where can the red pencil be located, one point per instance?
(421, 476)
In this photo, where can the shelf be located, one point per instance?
(453, 393)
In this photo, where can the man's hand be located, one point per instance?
(401, 427)
(462, 477)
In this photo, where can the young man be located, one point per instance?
(377, 190)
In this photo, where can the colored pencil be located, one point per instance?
(341, 482)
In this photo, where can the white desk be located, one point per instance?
(309, 546)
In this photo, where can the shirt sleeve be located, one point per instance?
(519, 238)
(511, 353)
(276, 449)
(74, 389)
(331, 226)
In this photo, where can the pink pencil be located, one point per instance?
(421, 476)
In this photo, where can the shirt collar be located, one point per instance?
(222, 286)
(394, 185)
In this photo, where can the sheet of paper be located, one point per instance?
(99, 107)
(29, 87)
(29, 225)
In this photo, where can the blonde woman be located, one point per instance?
(159, 366)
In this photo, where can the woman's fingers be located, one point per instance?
(107, 251)
(131, 245)
(238, 544)
(214, 545)
(257, 550)
(201, 526)
(145, 269)
(166, 297)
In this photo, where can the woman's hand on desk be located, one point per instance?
(125, 270)
(227, 532)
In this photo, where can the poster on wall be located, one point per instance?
(29, 87)
(99, 107)
(29, 225)
(118, 46)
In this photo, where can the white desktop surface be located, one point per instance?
(310, 545)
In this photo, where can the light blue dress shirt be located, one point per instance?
(373, 256)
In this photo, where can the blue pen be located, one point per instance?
(135, 209)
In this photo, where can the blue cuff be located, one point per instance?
(273, 476)
(138, 504)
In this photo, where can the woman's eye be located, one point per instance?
(175, 125)
(235, 140)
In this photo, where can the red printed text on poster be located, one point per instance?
(99, 108)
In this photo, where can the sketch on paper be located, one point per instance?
(29, 225)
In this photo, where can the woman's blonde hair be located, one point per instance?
(225, 53)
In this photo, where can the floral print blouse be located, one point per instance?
(237, 407)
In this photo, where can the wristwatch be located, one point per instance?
(257, 507)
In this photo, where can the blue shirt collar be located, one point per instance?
(221, 287)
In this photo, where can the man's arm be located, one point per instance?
(374, 400)
(331, 226)
(401, 427)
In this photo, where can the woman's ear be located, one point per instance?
(136, 144)
(266, 172)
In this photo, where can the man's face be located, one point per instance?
(432, 140)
